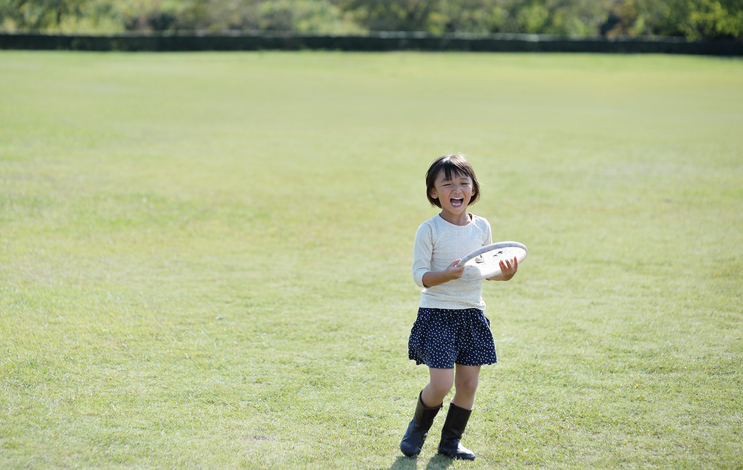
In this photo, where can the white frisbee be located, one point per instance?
(483, 263)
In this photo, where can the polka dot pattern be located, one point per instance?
(441, 338)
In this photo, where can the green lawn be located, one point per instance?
(205, 258)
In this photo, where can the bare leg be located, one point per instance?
(465, 382)
(438, 387)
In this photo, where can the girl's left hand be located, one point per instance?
(508, 269)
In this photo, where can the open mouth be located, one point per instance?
(457, 202)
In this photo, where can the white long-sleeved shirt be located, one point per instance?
(439, 243)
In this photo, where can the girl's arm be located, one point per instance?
(435, 278)
(508, 269)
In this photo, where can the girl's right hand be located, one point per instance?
(435, 278)
(453, 271)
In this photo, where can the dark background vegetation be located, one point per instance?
(692, 19)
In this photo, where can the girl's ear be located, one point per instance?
(472, 198)
(433, 193)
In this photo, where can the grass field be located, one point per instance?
(205, 258)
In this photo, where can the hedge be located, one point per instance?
(393, 41)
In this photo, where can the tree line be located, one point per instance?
(691, 19)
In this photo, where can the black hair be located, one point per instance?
(451, 165)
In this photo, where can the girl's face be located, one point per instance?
(454, 195)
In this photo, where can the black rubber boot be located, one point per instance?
(456, 421)
(417, 431)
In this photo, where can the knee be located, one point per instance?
(468, 385)
(440, 387)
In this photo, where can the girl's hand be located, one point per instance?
(454, 272)
(435, 278)
(508, 269)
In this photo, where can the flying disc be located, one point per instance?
(483, 262)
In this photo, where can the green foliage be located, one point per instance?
(532, 18)
(706, 18)
(49, 15)
(84, 15)
(393, 15)
(301, 16)
(693, 19)
(319, 16)
(315, 16)
(578, 18)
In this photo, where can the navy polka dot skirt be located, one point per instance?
(440, 338)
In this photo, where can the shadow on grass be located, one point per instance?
(437, 462)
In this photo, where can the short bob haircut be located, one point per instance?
(451, 165)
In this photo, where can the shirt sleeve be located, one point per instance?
(422, 253)
(489, 235)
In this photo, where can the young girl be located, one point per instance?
(451, 334)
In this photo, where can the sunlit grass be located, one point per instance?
(205, 258)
